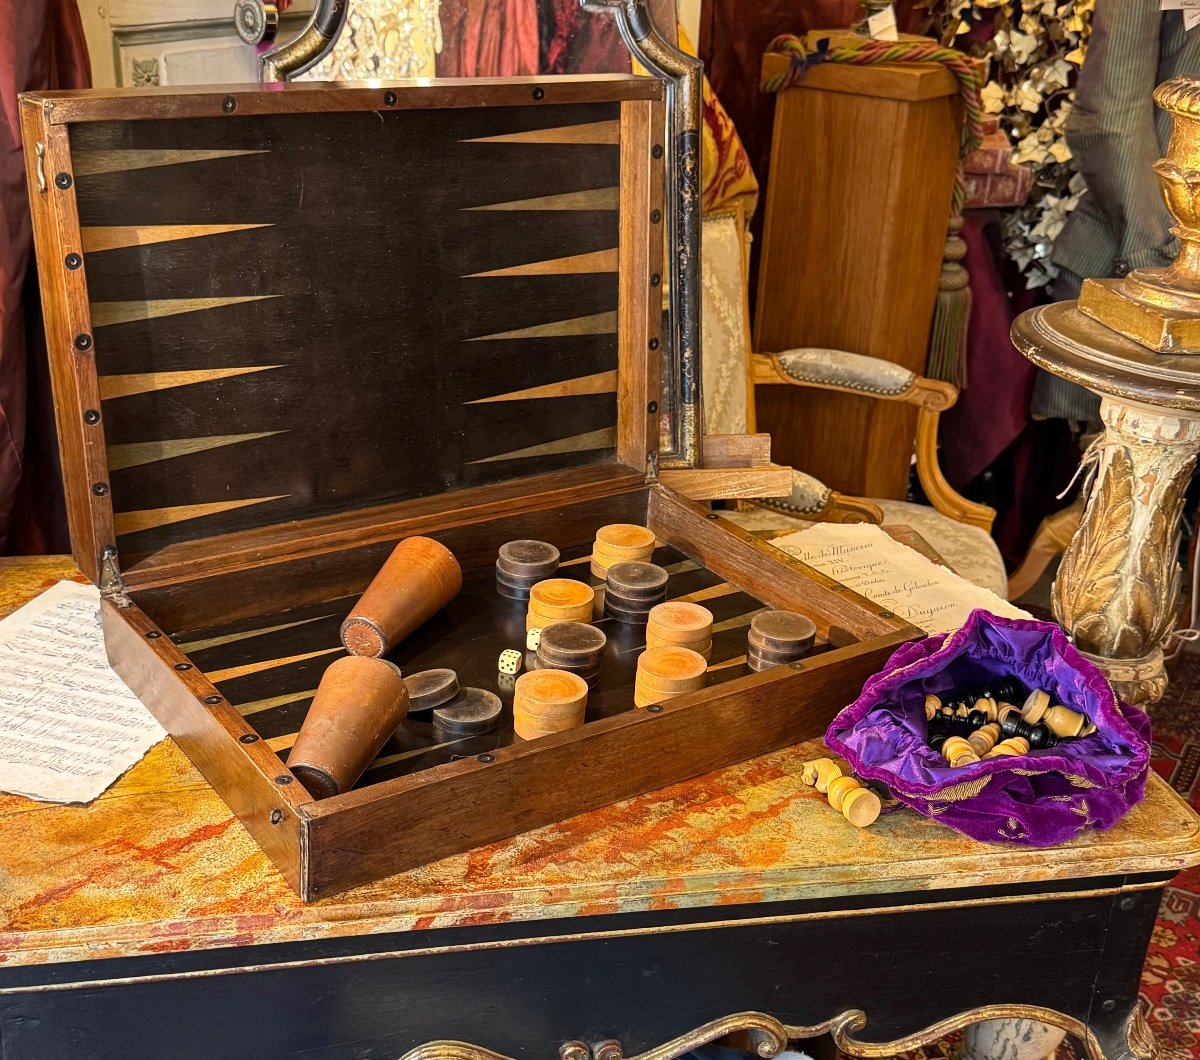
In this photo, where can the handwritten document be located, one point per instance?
(863, 558)
(69, 726)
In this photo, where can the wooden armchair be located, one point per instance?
(957, 528)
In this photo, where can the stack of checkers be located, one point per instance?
(678, 624)
(521, 565)
(666, 672)
(619, 543)
(633, 588)
(547, 701)
(778, 637)
(559, 600)
(572, 646)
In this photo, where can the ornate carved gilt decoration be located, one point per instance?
(769, 1036)
(1117, 589)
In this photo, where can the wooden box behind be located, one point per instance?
(288, 328)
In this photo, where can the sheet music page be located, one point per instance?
(69, 726)
(863, 558)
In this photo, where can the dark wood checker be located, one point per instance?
(269, 667)
(454, 270)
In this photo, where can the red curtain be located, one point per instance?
(41, 46)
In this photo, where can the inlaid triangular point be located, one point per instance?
(597, 132)
(99, 238)
(594, 199)
(148, 518)
(274, 701)
(118, 386)
(605, 438)
(267, 664)
(596, 324)
(600, 383)
(134, 454)
(575, 264)
(106, 313)
(93, 163)
(230, 638)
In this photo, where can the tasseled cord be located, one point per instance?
(951, 312)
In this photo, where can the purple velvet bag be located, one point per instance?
(1039, 799)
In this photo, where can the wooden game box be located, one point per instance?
(289, 326)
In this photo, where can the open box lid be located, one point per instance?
(269, 305)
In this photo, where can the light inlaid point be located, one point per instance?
(593, 199)
(118, 386)
(97, 238)
(148, 518)
(597, 132)
(93, 163)
(596, 324)
(574, 265)
(605, 438)
(135, 454)
(105, 314)
(267, 664)
(600, 383)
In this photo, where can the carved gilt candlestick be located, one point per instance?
(1135, 342)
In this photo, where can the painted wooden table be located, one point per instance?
(149, 924)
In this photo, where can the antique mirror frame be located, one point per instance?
(681, 419)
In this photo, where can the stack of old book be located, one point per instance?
(993, 178)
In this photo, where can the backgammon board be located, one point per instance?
(292, 325)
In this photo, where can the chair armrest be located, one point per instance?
(852, 373)
(811, 499)
(944, 497)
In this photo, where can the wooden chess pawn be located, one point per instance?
(984, 739)
(986, 706)
(1014, 745)
(1060, 720)
(820, 773)
(859, 805)
(420, 577)
(958, 752)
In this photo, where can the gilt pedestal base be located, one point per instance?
(1117, 590)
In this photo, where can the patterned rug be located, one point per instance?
(1171, 978)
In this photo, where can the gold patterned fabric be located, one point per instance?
(389, 39)
(724, 342)
(727, 178)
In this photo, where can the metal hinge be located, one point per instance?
(112, 585)
(652, 466)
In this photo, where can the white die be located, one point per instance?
(510, 661)
(532, 639)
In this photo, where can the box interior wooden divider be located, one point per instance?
(289, 326)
